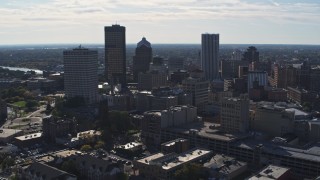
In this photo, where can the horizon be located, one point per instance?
(164, 22)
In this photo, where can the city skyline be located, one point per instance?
(172, 22)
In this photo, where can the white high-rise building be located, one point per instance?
(209, 56)
(81, 74)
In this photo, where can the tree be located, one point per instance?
(86, 148)
(31, 104)
(122, 176)
(75, 102)
(99, 144)
(70, 167)
(192, 171)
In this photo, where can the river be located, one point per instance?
(22, 69)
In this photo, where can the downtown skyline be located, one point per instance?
(161, 22)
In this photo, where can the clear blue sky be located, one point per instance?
(161, 21)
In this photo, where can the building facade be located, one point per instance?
(3, 110)
(142, 58)
(199, 89)
(209, 56)
(81, 74)
(235, 114)
(115, 54)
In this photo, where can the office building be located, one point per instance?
(301, 95)
(283, 76)
(235, 114)
(210, 55)
(230, 69)
(199, 90)
(56, 127)
(257, 76)
(251, 55)
(3, 110)
(115, 54)
(80, 74)
(179, 145)
(157, 64)
(163, 166)
(151, 80)
(154, 121)
(175, 63)
(37, 170)
(236, 55)
(225, 167)
(315, 79)
(177, 76)
(142, 58)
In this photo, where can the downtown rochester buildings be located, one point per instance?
(209, 55)
(115, 54)
(80, 74)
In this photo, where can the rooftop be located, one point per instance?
(130, 145)
(4, 133)
(172, 160)
(29, 136)
(270, 172)
(311, 153)
(173, 142)
(208, 130)
(224, 164)
(66, 153)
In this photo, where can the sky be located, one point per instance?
(160, 21)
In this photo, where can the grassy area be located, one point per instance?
(21, 104)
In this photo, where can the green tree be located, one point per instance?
(192, 171)
(7, 162)
(70, 167)
(86, 148)
(122, 176)
(31, 104)
(99, 144)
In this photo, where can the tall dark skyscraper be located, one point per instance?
(209, 56)
(142, 58)
(115, 54)
(251, 55)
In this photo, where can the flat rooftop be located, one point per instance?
(270, 172)
(208, 130)
(225, 164)
(172, 160)
(29, 136)
(4, 133)
(311, 153)
(186, 157)
(130, 145)
(173, 142)
(66, 153)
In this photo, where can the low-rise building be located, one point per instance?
(224, 167)
(178, 146)
(28, 139)
(175, 116)
(38, 170)
(163, 166)
(151, 80)
(58, 127)
(7, 135)
(273, 172)
(93, 168)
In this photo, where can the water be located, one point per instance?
(22, 69)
